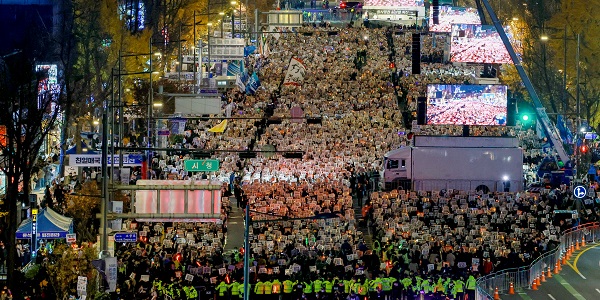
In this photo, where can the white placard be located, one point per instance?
(81, 285)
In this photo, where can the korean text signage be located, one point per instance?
(34, 213)
(126, 237)
(42, 235)
(202, 165)
(53, 235)
(95, 160)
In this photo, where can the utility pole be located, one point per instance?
(564, 89)
(104, 166)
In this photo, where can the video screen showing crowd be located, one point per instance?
(449, 15)
(466, 104)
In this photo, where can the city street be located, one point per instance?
(579, 279)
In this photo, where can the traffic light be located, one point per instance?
(584, 148)
(527, 119)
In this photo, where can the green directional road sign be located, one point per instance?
(201, 165)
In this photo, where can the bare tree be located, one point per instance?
(28, 116)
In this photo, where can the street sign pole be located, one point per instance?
(104, 168)
(34, 213)
(247, 253)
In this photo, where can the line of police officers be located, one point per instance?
(386, 288)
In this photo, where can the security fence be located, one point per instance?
(529, 277)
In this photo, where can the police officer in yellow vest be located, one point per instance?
(268, 288)
(259, 288)
(241, 290)
(458, 290)
(222, 292)
(470, 287)
(276, 289)
(190, 292)
(288, 288)
(308, 289)
(234, 289)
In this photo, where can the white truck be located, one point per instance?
(434, 163)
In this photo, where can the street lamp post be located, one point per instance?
(564, 87)
(578, 103)
(577, 88)
(247, 253)
(149, 121)
(247, 250)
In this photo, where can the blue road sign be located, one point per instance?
(126, 237)
(579, 191)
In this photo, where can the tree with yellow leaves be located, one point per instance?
(578, 18)
(65, 265)
(83, 206)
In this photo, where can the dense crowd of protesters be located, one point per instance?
(426, 241)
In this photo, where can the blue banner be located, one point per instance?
(23, 235)
(253, 84)
(563, 130)
(235, 67)
(249, 50)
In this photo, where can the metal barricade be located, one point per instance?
(524, 277)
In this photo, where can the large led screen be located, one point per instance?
(453, 15)
(199, 201)
(466, 104)
(394, 3)
(473, 43)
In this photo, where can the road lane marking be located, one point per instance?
(525, 296)
(569, 287)
(574, 265)
(597, 290)
(551, 297)
(576, 270)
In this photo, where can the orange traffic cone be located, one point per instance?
(496, 294)
(538, 281)
(583, 241)
(534, 285)
(543, 277)
(557, 267)
(511, 289)
(577, 245)
(549, 273)
(564, 259)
